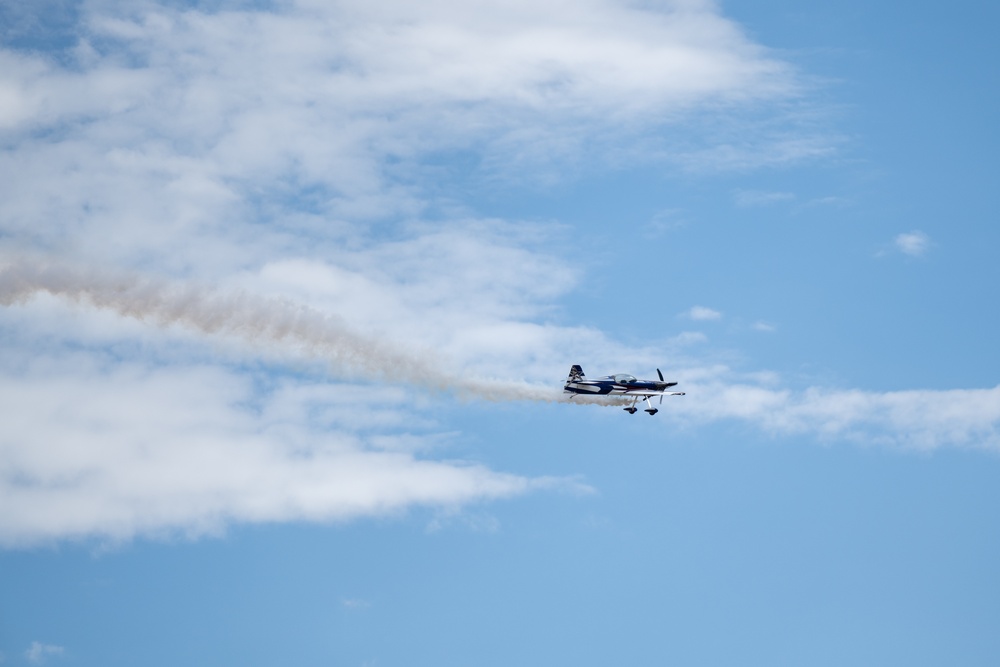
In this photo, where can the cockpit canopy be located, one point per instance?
(624, 378)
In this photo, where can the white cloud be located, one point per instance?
(406, 330)
(686, 338)
(355, 603)
(767, 327)
(914, 244)
(768, 147)
(113, 450)
(116, 439)
(38, 653)
(150, 426)
(914, 419)
(702, 313)
(751, 198)
(102, 441)
(829, 201)
(478, 522)
(266, 134)
(288, 157)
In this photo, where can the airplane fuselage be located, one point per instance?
(621, 384)
(616, 384)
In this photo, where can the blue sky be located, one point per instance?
(289, 291)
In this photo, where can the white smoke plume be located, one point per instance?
(259, 320)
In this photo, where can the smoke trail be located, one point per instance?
(255, 319)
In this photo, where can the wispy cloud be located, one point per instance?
(355, 603)
(38, 653)
(829, 201)
(663, 222)
(769, 148)
(103, 444)
(914, 244)
(751, 198)
(914, 419)
(182, 137)
(290, 159)
(702, 313)
(126, 449)
(477, 522)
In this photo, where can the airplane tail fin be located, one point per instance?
(575, 374)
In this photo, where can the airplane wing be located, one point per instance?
(650, 392)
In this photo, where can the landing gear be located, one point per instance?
(650, 409)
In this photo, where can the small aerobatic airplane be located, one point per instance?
(620, 385)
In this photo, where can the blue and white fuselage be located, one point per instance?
(621, 384)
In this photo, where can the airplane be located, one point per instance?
(621, 384)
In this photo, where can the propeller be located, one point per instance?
(661, 380)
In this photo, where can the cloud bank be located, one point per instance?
(202, 200)
(113, 450)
